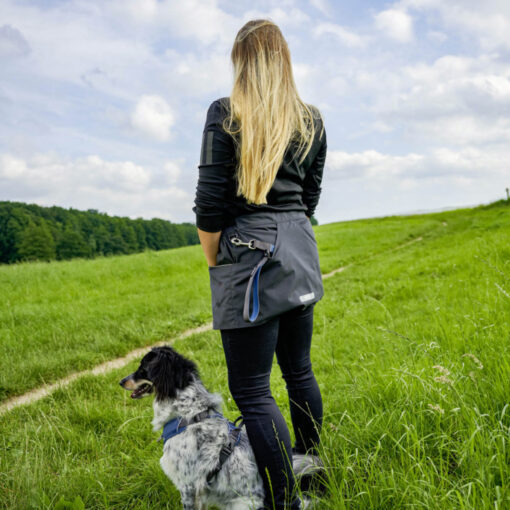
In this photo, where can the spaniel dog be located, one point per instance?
(191, 452)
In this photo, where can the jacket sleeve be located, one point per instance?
(312, 182)
(215, 172)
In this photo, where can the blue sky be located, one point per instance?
(103, 102)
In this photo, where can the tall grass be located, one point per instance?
(411, 352)
(61, 317)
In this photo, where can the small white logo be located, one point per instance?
(306, 297)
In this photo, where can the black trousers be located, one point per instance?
(249, 354)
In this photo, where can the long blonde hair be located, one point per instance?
(265, 108)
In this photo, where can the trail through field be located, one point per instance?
(45, 390)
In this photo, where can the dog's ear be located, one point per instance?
(169, 371)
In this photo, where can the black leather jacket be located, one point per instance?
(296, 187)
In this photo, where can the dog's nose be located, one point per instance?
(122, 381)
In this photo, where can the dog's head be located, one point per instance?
(162, 371)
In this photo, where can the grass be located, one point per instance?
(411, 352)
(62, 317)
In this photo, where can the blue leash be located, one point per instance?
(252, 290)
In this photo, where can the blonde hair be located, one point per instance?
(265, 108)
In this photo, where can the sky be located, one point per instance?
(103, 102)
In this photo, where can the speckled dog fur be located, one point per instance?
(190, 455)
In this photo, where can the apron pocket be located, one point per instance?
(307, 227)
(220, 283)
(225, 254)
(296, 259)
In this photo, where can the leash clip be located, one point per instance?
(238, 242)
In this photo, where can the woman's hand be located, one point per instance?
(210, 242)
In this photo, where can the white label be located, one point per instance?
(306, 297)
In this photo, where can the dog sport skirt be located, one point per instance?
(267, 264)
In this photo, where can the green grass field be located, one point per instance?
(411, 351)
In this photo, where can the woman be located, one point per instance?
(262, 158)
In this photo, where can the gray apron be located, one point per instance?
(267, 264)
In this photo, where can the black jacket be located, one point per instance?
(296, 187)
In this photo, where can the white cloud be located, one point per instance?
(442, 162)
(454, 100)
(344, 35)
(488, 21)
(322, 6)
(125, 174)
(153, 116)
(117, 187)
(200, 20)
(371, 164)
(193, 74)
(291, 17)
(172, 171)
(11, 167)
(396, 24)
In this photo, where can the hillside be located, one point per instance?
(411, 351)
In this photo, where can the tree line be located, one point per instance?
(33, 232)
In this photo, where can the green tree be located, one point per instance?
(36, 243)
(13, 221)
(129, 236)
(140, 234)
(72, 245)
(85, 233)
(103, 243)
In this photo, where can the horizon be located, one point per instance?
(406, 213)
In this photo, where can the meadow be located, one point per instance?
(411, 352)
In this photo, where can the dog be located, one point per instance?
(191, 457)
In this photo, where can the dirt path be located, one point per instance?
(343, 268)
(107, 366)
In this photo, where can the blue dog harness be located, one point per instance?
(180, 424)
(253, 283)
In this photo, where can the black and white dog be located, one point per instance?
(192, 452)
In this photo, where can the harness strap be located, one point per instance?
(195, 418)
(234, 437)
(179, 424)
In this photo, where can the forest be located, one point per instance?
(32, 232)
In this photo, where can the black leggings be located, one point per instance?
(249, 354)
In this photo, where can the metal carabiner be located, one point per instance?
(238, 242)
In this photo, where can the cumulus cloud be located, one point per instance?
(345, 36)
(45, 170)
(396, 24)
(371, 164)
(203, 22)
(153, 116)
(454, 99)
(172, 171)
(117, 187)
(488, 21)
(322, 6)
(442, 162)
